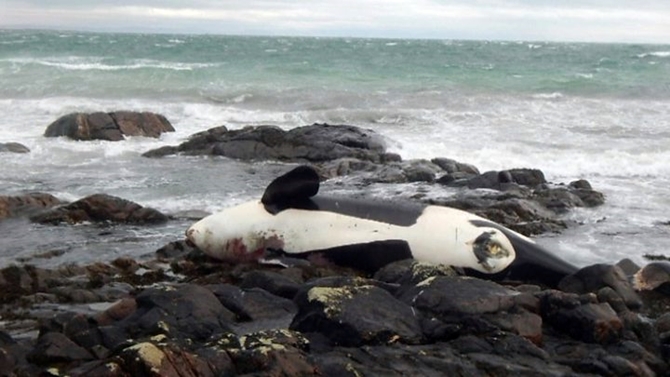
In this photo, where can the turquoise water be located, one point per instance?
(594, 111)
(222, 68)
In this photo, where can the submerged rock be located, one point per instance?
(111, 126)
(14, 148)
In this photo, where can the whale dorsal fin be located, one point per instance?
(291, 190)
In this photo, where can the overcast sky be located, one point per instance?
(646, 21)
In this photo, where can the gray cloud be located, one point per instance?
(590, 20)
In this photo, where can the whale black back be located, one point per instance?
(297, 189)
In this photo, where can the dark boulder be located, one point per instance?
(495, 180)
(489, 180)
(562, 199)
(254, 309)
(559, 200)
(502, 355)
(12, 354)
(15, 282)
(187, 312)
(100, 208)
(517, 212)
(54, 347)
(655, 275)
(590, 197)
(453, 166)
(628, 266)
(420, 171)
(272, 353)
(530, 184)
(527, 210)
(315, 143)
(527, 177)
(111, 126)
(120, 310)
(467, 305)
(165, 150)
(11, 206)
(149, 359)
(353, 316)
(591, 359)
(147, 124)
(592, 278)
(405, 171)
(75, 326)
(433, 360)
(174, 249)
(273, 282)
(581, 317)
(347, 166)
(409, 272)
(14, 148)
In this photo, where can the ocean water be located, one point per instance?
(595, 111)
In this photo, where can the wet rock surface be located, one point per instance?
(189, 315)
(13, 206)
(318, 142)
(113, 126)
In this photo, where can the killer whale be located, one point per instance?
(292, 220)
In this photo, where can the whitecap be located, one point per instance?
(96, 64)
(658, 54)
(553, 95)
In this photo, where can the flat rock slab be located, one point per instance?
(315, 143)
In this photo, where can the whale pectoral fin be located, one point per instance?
(368, 257)
(291, 189)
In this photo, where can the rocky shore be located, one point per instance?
(180, 313)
